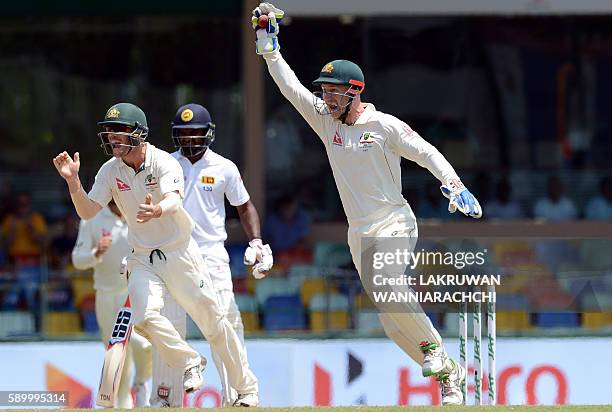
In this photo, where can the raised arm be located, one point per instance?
(69, 170)
(268, 46)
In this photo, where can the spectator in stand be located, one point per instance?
(555, 206)
(63, 243)
(502, 206)
(600, 207)
(434, 207)
(287, 227)
(25, 234)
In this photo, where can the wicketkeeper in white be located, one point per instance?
(147, 186)
(364, 147)
(209, 178)
(102, 244)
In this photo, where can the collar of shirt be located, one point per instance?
(147, 161)
(367, 113)
(203, 161)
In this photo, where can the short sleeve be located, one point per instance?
(235, 191)
(170, 176)
(101, 190)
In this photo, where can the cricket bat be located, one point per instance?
(114, 358)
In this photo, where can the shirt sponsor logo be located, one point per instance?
(337, 140)
(366, 141)
(122, 186)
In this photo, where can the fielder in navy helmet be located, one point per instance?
(209, 179)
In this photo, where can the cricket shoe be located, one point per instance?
(141, 391)
(193, 379)
(450, 384)
(247, 400)
(435, 359)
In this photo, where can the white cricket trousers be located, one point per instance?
(228, 305)
(167, 381)
(183, 272)
(412, 326)
(167, 378)
(139, 349)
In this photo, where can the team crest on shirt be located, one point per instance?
(366, 141)
(150, 181)
(208, 182)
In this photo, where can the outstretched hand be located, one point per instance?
(267, 40)
(461, 199)
(148, 210)
(66, 166)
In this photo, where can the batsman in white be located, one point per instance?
(102, 244)
(146, 183)
(364, 148)
(209, 179)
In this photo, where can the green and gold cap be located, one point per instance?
(341, 72)
(125, 113)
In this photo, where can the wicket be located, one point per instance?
(463, 356)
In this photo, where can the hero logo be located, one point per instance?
(514, 383)
(323, 382)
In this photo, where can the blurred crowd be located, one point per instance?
(37, 246)
(499, 203)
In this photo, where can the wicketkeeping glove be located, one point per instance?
(267, 40)
(461, 198)
(260, 256)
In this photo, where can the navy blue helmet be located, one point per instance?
(193, 117)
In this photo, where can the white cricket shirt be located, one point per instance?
(159, 174)
(106, 267)
(365, 157)
(207, 182)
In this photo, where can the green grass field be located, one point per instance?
(591, 408)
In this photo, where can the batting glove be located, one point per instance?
(260, 256)
(461, 198)
(267, 40)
